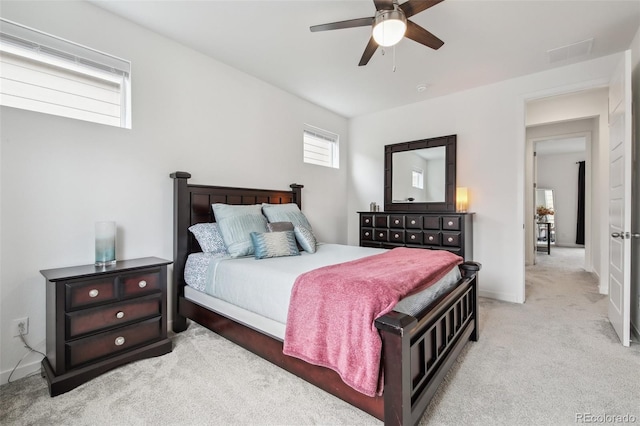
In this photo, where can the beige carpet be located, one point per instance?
(553, 361)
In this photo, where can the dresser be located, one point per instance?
(438, 231)
(98, 318)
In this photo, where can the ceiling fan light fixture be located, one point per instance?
(389, 27)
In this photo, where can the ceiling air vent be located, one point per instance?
(575, 50)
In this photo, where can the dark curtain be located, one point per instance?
(580, 219)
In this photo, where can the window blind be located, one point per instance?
(320, 147)
(43, 73)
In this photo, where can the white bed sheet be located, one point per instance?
(236, 282)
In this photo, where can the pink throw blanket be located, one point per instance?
(333, 309)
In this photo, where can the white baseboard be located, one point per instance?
(505, 297)
(24, 369)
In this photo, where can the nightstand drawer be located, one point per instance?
(140, 283)
(83, 293)
(449, 222)
(396, 221)
(103, 317)
(112, 342)
(413, 222)
(381, 235)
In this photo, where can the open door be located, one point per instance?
(620, 199)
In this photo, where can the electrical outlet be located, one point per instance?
(15, 326)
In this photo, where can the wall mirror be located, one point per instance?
(420, 175)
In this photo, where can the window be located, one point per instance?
(320, 147)
(43, 73)
(417, 178)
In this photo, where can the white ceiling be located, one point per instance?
(485, 41)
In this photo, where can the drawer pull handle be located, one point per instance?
(396, 221)
(120, 315)
(119, 341)
(450, 223)
(381, 235)
(413, 237)
(396, 235)
(431, 238)
(366, 234)
(413, 221)
(450, 239)
(142, 284)
(367, 221)
(93, 292)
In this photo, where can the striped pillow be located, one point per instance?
(274, 244)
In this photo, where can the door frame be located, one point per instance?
(521, 154)
(529, 193)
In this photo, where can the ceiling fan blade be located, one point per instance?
(422, 36)
(383, 4)
(351, 23)
(368, 52)
(412, 7)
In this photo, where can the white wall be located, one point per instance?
(190, 113)
(559, 172)
(490, 125)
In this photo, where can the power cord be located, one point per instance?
(26, 345)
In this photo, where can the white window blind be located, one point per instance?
(417, 178)
(320, 147)
(43, 73)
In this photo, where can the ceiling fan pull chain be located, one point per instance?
(394, 58)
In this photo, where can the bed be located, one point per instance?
(417, 350)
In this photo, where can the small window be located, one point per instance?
(43, 73)
(417, 178)
(320, 147)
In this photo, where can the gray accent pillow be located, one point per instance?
(209, 237)
(236, 223)
(280, 226)
(274, 244)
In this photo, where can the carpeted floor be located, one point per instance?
(554, 360)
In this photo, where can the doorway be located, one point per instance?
(563, 130)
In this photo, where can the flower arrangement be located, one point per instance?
(543, 211)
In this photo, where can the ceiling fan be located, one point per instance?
(390, 25)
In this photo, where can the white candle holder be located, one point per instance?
(105, 243)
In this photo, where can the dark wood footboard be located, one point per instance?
(417, 351)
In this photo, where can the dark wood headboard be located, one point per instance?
(192, 204)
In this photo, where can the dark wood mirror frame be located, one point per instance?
(449, 204)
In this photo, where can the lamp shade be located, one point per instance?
(462, 199)
(389, 27)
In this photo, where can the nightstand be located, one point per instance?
(99, 318)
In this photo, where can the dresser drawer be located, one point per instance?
(432, 238)
(449, 222)
(396, 236)
(396, 221)
(140, 283)
(381, 235)
(89, 292)
(451, 239)
(413, 222)
(431, 222)
(380, 221)
(366, 234)
(103, 317)
(413, 237)
(112, 342)
(366, 220)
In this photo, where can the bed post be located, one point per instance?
(297, 190)
(181, 215)
(469, 269)
(396, 358)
